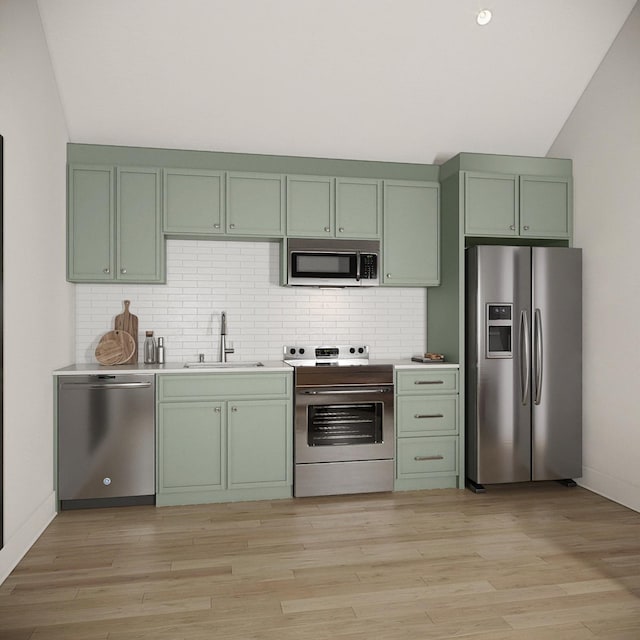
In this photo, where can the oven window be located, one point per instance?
(345, 424)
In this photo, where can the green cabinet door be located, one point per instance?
(545, 206)
(491, 204)
(139, 241)
(411, 240)
(190, 446)
(90, 224)
(259, 436)
(255, 204)
(193, 202)
(358, 208)
(310, 206)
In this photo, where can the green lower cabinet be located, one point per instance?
(221, 440)
(190, 447)
(427, 430)
(259, 443)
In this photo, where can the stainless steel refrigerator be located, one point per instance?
(523, 364)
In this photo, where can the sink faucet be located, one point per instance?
(224, 350)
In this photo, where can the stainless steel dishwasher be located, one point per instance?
(106, 440)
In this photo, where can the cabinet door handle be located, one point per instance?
(327, 229)
(388, 275)
(429, 382)
(234, 408)
(341, 229)
(106, 270)
(232, 226)
(216, 226)
(512, 227)
(526, 227)
(419, 416)
(423, 458)
(217, 409)
(123, 271)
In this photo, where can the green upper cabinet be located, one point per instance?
(327, 207)
(114, 225)
(193, 202)
(491, 203)
(255, 204)
(411, 240)
(139, 242)
(358, 208)
(310, 206)
(90, 224)
(506, 205)
(546, 206)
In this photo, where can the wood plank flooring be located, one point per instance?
(532, 562)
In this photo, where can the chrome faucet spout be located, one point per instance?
(224, 350)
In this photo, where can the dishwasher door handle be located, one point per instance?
(111, 385)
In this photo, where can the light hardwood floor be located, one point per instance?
(532, 562)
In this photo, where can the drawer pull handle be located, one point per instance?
(429, 382)
(419, 416)
(423, 458)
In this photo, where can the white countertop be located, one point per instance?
(178, 367)
(169, 367)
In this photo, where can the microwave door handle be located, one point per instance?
(357, 266)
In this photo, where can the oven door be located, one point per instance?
(338, 424)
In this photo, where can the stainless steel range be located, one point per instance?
(344, 436)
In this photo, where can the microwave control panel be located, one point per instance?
(369, 263)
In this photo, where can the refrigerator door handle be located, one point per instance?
(525, 357)
(538, 361)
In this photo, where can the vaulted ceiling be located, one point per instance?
(397, 80)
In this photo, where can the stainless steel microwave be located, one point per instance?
(333, 263)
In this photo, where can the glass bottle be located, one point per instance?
(149, 348)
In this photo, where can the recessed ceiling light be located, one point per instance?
(483, 17)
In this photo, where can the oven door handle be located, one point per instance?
(345, 392)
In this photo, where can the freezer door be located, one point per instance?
(498, 385)
(557, 363)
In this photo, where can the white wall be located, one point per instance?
(38, 303)
(603, 138)
(242, 278)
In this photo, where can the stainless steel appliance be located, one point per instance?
(333, 263)
(524, 364)
(106, 440)
(344, 435)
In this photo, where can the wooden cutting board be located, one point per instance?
(115, 347)
(128, 322)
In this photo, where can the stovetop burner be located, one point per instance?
(326, 356)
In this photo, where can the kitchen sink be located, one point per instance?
(222, 365)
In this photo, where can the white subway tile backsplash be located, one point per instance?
(205, 278)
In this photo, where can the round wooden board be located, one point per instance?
(115, 347)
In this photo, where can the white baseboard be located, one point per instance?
(23, 539)
(615, 489)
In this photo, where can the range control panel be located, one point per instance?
(316, 353)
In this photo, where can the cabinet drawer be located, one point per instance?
(419, 416)
(173, 388)
(427, 456)
(427, 382)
